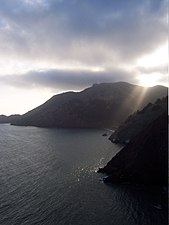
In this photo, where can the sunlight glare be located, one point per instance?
(149, 80)
(157, 58)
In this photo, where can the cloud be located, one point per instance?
(85, 32)
(71, 44)
(163, 69)
(63, 79)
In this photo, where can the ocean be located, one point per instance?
(48, 177)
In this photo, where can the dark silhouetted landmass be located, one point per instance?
(144, 159)
(3, 119)
(138, 121)
(9, 119)
(102, 105)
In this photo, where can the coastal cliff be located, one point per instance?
(144, 159)
(139, 120)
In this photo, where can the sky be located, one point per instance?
(53, 46)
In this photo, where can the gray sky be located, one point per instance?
(51, 46)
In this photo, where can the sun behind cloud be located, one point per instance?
(149, 80)
(156, 58)
(51, 46)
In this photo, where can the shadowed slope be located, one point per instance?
(9, 119)
(145, 158)
(136, 122)
(102, 105)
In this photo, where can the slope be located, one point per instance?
(102, 105)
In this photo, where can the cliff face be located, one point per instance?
(102, 105)
(138, 121)
(145, 158)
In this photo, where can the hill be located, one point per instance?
(9, 119)
(3, 119)
(136, 122)
(144, 159)
(102, 105)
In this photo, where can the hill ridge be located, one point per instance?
(101, 105)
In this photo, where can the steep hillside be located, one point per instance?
(102, 105)
(138, 121)
(145, 158)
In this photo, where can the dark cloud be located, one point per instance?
(81, 35)
(64, 80)
(88, 32)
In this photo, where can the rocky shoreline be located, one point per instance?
(145, 159)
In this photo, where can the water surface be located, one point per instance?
(47, 177)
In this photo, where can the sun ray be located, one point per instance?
(137, 93)
(149, 80)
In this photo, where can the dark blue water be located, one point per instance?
(47, 177)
